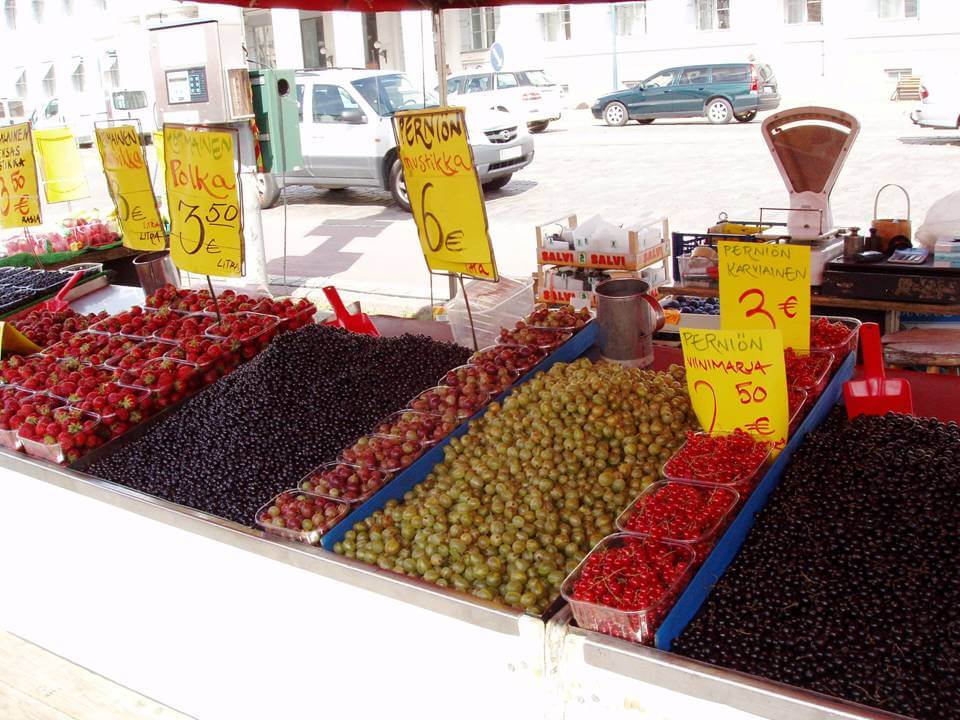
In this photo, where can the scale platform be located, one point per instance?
(892, 281)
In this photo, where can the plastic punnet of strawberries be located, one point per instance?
(169, 380)
(185, 326)
(681, 512)
(139, 354)
(44, 327)
(251, 329)
(733, 459)
(634, 577)
(120, 408)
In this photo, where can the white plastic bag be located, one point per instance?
(942, 221)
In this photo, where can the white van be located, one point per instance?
(134, 105)
(58, 112)
(346, 135)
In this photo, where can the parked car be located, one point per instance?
(11, 112)
(347, 139)
(719, 92)
(58, 112)
(134, 105)
(530, 94)
(939, 104)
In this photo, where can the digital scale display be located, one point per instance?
(187, 86)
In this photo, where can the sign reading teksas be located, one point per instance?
(444, 192)
(206, 236)
(737, 379)
(128, 180)
(19, 189)
(766, 287)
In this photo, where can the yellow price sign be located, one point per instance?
(128, 181)
(737, 379)
(60, 163)
(766, 287)
(444, 192)
(19, 188)
(203, 199)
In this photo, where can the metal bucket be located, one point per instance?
(154, 270)
(627, 317)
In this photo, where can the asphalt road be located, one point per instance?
(688, 170)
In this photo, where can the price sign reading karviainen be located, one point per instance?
(128, 181)
(206, 233)
(19, 188)
(444, 192)
(766, 287)
(737, 379)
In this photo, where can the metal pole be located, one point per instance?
(440, 53)
(613, 29)
(466, 301)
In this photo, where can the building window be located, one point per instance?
(38, 10)
(21, 84)
(713, 14)
(555, 25)
(631, 19)
(314, 46)
(898, 9)
(68, 7)
(478, 28)
(100, 4)
(797, 12)
(50, 81)
(111, 70)
(10, 13)
(79, 76)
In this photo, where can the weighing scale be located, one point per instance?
(809, 146)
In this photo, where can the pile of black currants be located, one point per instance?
(848, 584)
(258, 431)
(698, 305)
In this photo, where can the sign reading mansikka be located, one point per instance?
(444, 192)
(19, 187)
(206, 236)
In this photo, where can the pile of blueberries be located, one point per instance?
(848, 584)
(697, 305)
(20, 286)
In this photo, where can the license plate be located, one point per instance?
(767, 90)
(511, 153)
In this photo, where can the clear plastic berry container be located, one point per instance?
(146, 349)
(743, 481)
(383, 452)
(638, 625)
(495, 383)
(302, 317)
(344, 481)
(73, 393)
(153, 376)
(227, 360)
(136, 405)
(583, 317)
(262, 333)
(88, 437)
(427, 428)
(448, 401)
(798, 401)
(637, 519)
(547, 339)
(274, 521)
(187, 325)
(823, 365)
(523, 358)
(844, 345)
(10, 400)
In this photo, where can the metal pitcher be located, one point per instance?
(627, 317)
(154, 270)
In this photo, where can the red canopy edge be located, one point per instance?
(380, 5)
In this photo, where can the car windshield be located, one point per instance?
(538, 78)
(388, 94)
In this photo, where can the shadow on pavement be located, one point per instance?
(328, 257)
(513, 188)
(931, 140)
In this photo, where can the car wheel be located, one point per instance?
(498, 183)
(538, 127)
(398, 186)
(719, 111)
(268, 191)
(645, 121)
(615, 114)
(746, 117)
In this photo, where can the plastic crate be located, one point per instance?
(684, 244)
(492, 306)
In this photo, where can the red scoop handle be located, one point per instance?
(336, 302)
(872, 351)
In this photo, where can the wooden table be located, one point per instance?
(890, 308)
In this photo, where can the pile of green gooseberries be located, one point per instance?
(521, 498)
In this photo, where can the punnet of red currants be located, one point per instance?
(847, 584)
(734, 459)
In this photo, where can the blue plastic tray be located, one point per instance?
(729, 545)
(418, 471)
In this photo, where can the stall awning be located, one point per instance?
(380, 5)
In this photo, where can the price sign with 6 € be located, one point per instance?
(766, 287)
(737, 379)
(203, 197)
(444, 191)
(128, 181)
(19, 189)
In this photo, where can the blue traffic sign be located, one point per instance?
(496, 56)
